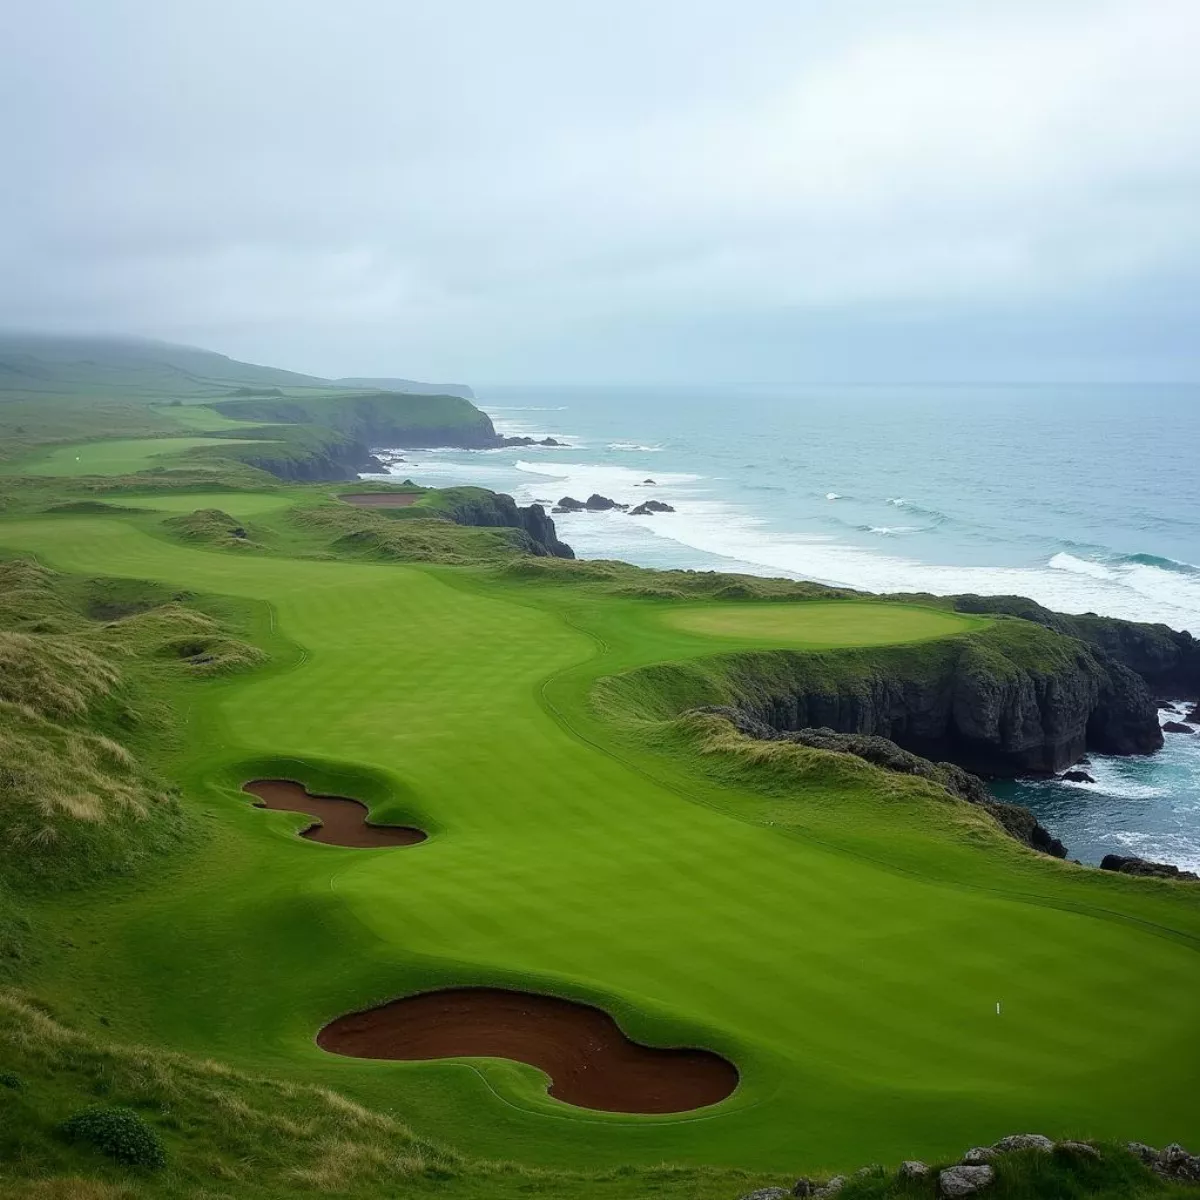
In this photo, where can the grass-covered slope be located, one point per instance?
(842, 936)
(378, 419)
(70, 390)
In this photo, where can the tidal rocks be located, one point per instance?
(597, 503)
(528, 441)
(1176, 727)
(1076, 777)
(569, 504)
(965, 1180)
(648, 507)
(1141, 866)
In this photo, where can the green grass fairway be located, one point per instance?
(818, 624)
(845, 946)
(115, 457)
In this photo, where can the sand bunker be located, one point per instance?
(340, 821)
(590, 1061)
(382, 499)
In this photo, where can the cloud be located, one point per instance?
(537, 190)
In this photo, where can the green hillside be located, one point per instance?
(841, 935)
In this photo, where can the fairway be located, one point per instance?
(846, 950)
(820, 623)
(118, 457)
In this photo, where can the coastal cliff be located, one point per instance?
(1011, 699)
(1167, 659)
(481, 507)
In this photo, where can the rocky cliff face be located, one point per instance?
(473, 506)
(1009, 700)
(1167, 659)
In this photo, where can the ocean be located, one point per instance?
(1085, 498)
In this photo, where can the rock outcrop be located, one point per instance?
(1016, 820)
(1172, 1162)
(975, 1172)
(1004, 701)
(964, 1180)
(475, 506)
(1142, 866)
(1167, 659)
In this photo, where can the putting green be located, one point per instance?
(845, 948)
(818, 624)
(117, 457)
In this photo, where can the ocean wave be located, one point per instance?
(1161, 563)
(634, 446)
(834, 496)
(1080, 566)
(933, 514)
(887, 530)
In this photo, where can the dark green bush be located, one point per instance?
(118, 1132)
(11, 1081)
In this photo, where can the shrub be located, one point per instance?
(118, 1132)
(11, 1081)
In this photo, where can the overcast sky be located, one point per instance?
(642, 190)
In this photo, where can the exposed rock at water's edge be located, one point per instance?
(1141, 866)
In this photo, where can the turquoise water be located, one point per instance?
(1085, 498)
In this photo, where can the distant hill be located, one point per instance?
(139, 368)
(70, 388)
(408, 385)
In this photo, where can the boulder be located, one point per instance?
(1142, 866)
(805, 1187)
(650, 482)
(913, 1168)
(832, 1188)
(647, 507)
(1174, 1162)
(978, 1155)
(1024, 1141)
(1176, 727)
(1079, 1149)
(965, 1181)
(570, 504)
(597, 503)
(1193, 717)
(771, 1193)
(1076, 777)
(1140, 1150)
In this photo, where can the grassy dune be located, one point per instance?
(843, 937)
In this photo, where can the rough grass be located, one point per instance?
(76, 803)
(211, 527)
(343, 530)
(230, 1134)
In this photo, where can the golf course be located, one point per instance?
(786, 959)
